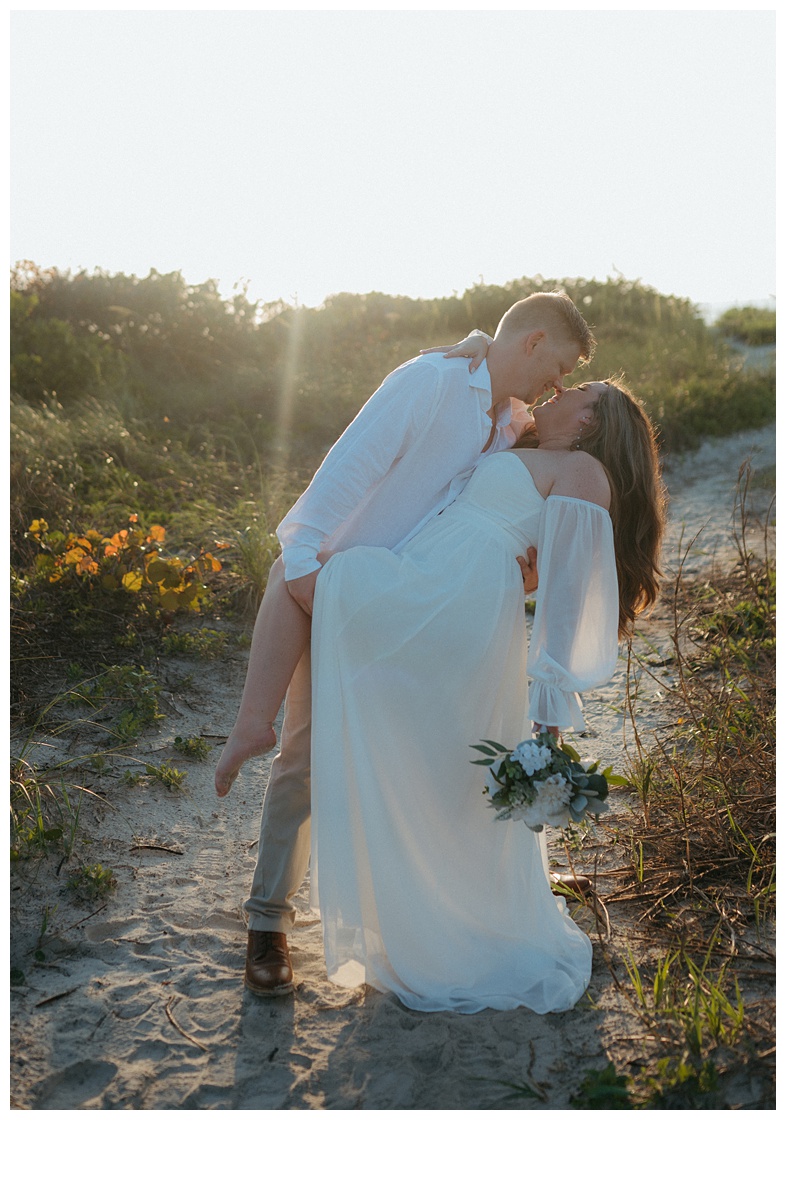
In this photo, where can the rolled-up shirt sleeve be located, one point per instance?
(574, 642)
(398, 413)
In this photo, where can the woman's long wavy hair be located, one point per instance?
(620, 435)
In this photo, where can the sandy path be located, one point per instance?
(136, 1001)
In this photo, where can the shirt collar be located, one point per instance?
(481, 380)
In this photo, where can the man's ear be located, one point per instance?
(532, 340)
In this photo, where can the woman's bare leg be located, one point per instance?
(281, 635)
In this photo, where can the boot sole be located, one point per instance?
(281, 989)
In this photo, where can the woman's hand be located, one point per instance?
(474, 347)
(528, 564)
(538, 728)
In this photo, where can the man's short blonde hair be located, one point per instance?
(553, 311)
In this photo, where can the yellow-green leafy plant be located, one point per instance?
(131, 560)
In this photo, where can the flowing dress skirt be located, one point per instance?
(421, 891)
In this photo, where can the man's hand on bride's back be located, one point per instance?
(474, 347)
(529, 569)
(302, 591)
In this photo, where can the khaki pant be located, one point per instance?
(285, 828)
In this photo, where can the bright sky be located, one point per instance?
(314, 152)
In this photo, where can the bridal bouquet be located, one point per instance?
(543, 783)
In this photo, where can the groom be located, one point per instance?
(402, 460)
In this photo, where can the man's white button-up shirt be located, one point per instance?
(407, 454)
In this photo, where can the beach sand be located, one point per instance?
(136, 1000)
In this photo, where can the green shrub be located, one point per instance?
(754, 326)
(51, 360)
(201, 643)
(92, 883)
(171, 778)
(125, 698)
(193, 747)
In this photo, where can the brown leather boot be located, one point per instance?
(268, 965)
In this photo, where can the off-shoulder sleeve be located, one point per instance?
(574, 636)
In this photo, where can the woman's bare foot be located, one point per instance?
(238, 749)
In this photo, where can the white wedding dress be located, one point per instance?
(415, 656)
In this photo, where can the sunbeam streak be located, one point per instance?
(288, 389)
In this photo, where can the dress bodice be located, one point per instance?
(501, 495)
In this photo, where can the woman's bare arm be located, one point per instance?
(475, 347)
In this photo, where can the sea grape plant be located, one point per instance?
(131, 560)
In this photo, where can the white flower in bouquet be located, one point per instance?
(531, 757)
(550, 806)
(520, 812)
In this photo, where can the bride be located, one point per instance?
(419, 654)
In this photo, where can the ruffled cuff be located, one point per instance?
(299, 559)
(549, 705)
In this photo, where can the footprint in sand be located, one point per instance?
(75, 1085)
